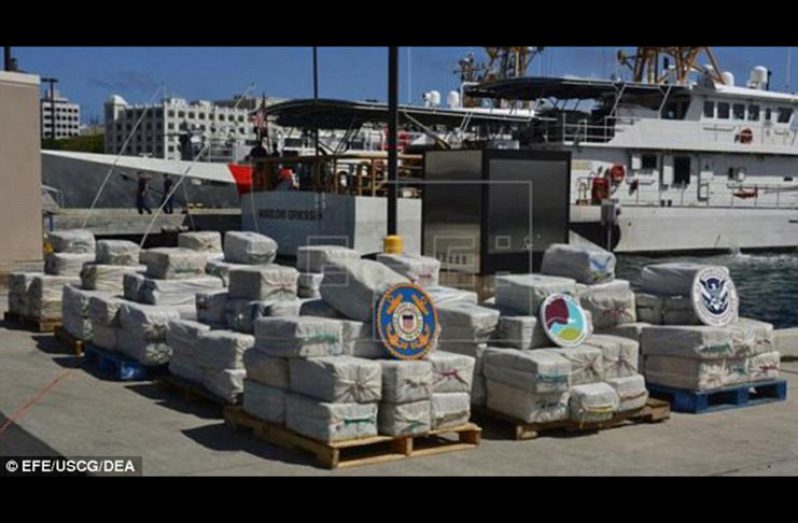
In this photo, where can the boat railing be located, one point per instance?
(584, 129)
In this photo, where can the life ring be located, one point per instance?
(617, 173)
(746, 135)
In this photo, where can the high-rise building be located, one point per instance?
(67, 116)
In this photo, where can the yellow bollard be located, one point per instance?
(392, 244)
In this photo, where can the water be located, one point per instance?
(767, 283)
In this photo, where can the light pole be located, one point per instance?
(52, 82)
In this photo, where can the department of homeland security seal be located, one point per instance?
(407, 321)
(714, 297)
(564, 321)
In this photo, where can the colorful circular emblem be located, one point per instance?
(714, 296)
(407, 321)
(564, 321)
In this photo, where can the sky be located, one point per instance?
(89, 75)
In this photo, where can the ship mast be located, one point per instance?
(646, 61)
(503, 63)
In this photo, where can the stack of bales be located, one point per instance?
(311, 260)
(678, 351)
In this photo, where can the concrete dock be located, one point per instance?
(83, 415)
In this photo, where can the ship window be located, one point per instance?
(181, 114)
(753, 113)
(681, 170)
(767, 114)
(709, 109)
(788, 178)
(784, 114)
(648, 162)
(723, 110)
(739, 111)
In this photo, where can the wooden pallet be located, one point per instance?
(746, 395)
(654, 411)
(118, 366)
(31, 323)
(356, 452)
(72, 343)
(192, 392)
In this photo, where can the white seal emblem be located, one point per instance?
(714, 297)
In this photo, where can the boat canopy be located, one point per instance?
(534, 88)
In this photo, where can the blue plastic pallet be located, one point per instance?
(746, 395)
(118, 366)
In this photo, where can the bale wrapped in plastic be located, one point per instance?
(441, 295)
(144, 329)
(104, 310)
(267, 370)
(185, 367)
(203, 241)
(583, 263)
(631, 331)
(226, 384)
(462, 347)
(176, 292)
(337, 379)
(76, 241)
(461, 321)
(330, 421)
(700, 342)
(616, 286)
(66, 263)
(313, 258)
(354, 289)
(105, 336)
(649, 307)
(537, 371)
(609, 308)
(362, 340)
(631, 391)
(211, 306)
(752, 337)
(18, 287)
(694, 374)
(479, 392)
(449, 409)
(183, 336)
(524, 293)
(592, 402)
(451, 372)
(107, 278)
(264, 402)
(221, 269)
(241, 315)
(673, 278)
(526, 406)
(405, 381)
(249, 248)
(300, 336)
(319, 308)
(174, 263)
(131, 285)
(263, 282)
(309, 284)
(587, 363)
(521, 332)
(620, 355)
(117, 252)
(764, 366)
(404, 419)
(223, 349)
(135, 344)
(75, 310)
(44, 295)
(421, 270)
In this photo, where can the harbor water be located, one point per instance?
(766, 283)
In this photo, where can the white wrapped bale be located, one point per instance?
(449, 409)
(764, 366)
(107, 278)
(300, 336)
(631, 391)
(421, 270)
(221, 349)
(521, 332)
(464, 347)
(620, 355)
(319, 308)
(441, 295)
(144, 329)
(105, 336)
(249, 248)
(675, 278)
(309, 284)
(226, 384)
(75, 310)
(183, 337)
(147, 352)
(241, 315)
(587, 363)
(337, 379)
(176, 293)
(479, 392)
(752, 337)
(609, 308)
(524, 293)
(615, 286)
(75, 241)
(66, 263)
(185, 367)
(404, 419)
(631, 331)
(536, 371)
(694, 374)
(461, 321)
(593, 402)
(104, 310)
(44, 295)
(354, 290)
(451, 372)
(117, 252)
(18, 288)
(131, 285)
(330, 421)
(266, 369)
(203, 241)
(524, 405)
(313, 258)
(284, 308)
(264, 282)
(361, 339)
(264, 402)
(174, 263)
(405, 381)
(211, 306)
(700, 342)
(580, 262)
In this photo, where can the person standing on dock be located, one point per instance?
(141, 195)
(168, 203)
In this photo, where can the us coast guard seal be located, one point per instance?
(714, 296)
(407, 321)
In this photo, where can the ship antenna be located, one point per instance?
(787, 76)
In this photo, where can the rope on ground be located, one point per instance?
(28, 404)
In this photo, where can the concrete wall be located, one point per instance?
(20, 169)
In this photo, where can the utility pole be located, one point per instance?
(52, 82)
(316, 95)
(393, 117)
(7, 58)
